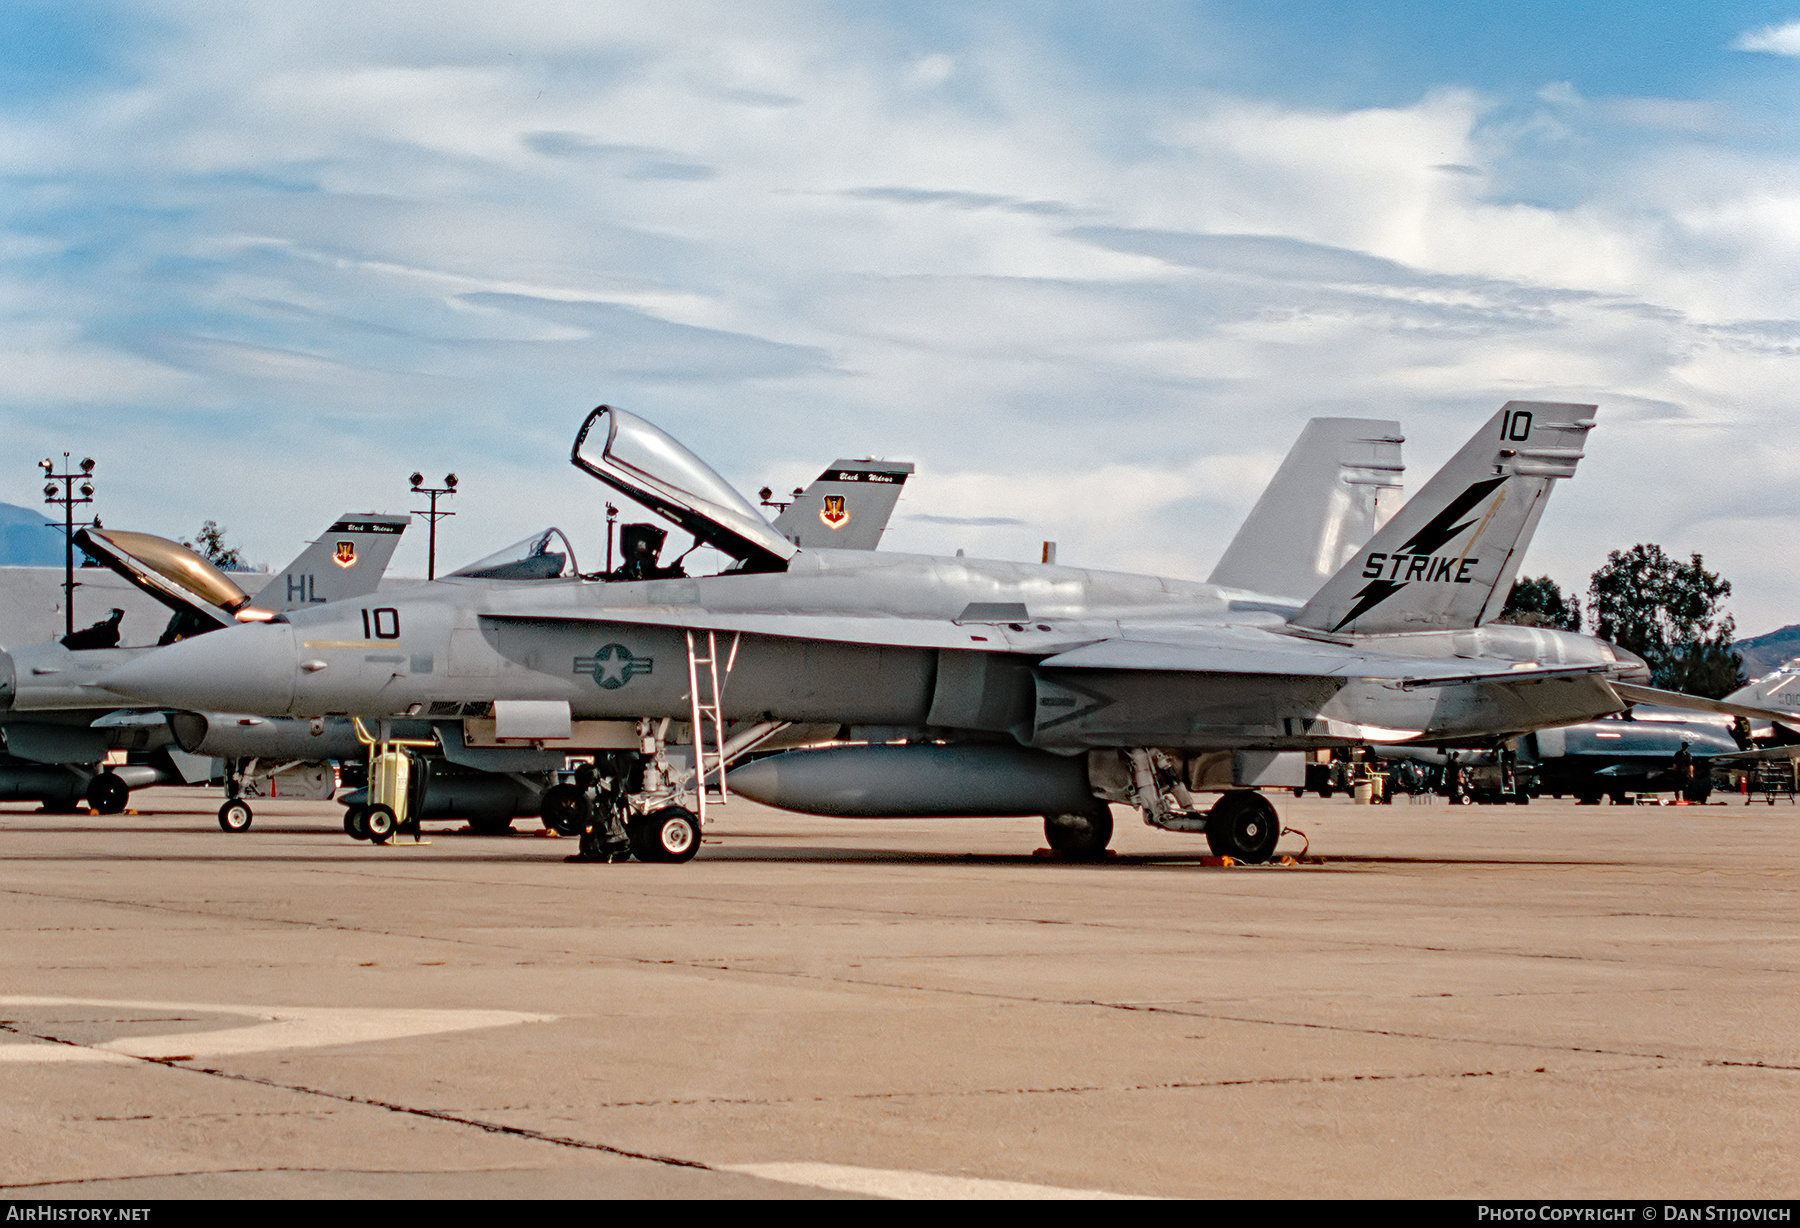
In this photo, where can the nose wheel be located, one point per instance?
(670, 834)
(235, 816)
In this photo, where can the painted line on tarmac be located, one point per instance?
(898, 1183)
(281, 1027)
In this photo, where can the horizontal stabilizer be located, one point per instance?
(1632, 693)
(1447, 560)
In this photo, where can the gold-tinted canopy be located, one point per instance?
(177, 564)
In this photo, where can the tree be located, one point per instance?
(1668, 613)
(209, 544)
(1540, 603)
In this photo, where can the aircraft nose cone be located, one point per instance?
(239, 669)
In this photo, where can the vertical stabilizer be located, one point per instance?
(847, 507)
(1447, 559)
(1778, 690)
(348, 561)
(1339, 484)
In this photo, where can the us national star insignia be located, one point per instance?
(613, 666)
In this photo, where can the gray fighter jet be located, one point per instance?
(969, 686)
(58, 727)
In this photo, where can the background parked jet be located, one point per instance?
(58, 728)
(1071, 688)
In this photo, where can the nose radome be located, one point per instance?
(240, 669)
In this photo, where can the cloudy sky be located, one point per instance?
(1091, 266)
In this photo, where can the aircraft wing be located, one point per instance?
(1088, 645)
(842, 629)
(1759, 753)
(1632, 693)
(1298, 660)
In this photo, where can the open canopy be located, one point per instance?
(174, 575)
(648, 466)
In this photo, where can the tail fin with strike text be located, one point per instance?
(1447, 559)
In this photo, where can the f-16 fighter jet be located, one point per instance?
(972, 686)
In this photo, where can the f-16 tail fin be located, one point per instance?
(1447, 559)
(348, 561)
(1339, 484)
(847, 507)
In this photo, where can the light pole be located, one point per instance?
(769, 500)
(68, 497)
(433, 515)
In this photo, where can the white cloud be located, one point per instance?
(1778, 40)
(350, 242)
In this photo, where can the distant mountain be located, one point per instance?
(26, 541)
(1763, 653)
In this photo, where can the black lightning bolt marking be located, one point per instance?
(1373, 594)
(1439, 529)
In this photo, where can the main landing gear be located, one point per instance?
(1081, 837)
(1241, 824)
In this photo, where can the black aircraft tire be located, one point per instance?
(565, 810)
(1243, 825)
(1587, 799)
(107, 794)
(235, 816)
(667, 835)
(1080, 835)
(1696, 793)
(379, 822)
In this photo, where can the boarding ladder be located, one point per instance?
(706, 690)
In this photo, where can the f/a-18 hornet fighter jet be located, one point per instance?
(966, 686)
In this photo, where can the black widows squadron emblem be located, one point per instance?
(613, 666)
(834, 513)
